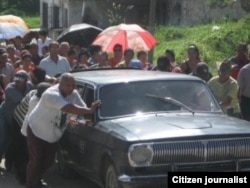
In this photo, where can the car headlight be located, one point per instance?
(140, 155)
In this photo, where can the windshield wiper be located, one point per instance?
(172, 101)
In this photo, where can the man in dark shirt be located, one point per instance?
(36, 58)
(239, 60)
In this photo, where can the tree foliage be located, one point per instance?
(19, 7)
(116, 12)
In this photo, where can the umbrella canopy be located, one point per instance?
(128, 35)
(82, 34)
(12, 26)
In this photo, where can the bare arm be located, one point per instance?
(78, 110)
(226, 102)
(50, 79)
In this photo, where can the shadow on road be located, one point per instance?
(52, 178)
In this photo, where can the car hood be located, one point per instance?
(172, 126)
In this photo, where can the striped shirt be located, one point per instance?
(22, 108)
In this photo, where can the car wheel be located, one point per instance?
(111, 180)
(63, 169)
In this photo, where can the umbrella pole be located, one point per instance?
(126, 41)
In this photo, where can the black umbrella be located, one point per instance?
(81, 34)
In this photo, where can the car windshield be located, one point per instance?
(156, 96)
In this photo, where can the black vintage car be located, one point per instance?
(150, 123)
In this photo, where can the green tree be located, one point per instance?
(115, 14)
(19, 7)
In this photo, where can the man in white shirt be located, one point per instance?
(47, 123)
(54, 64)
(42, 41)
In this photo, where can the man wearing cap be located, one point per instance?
(225, 88)
(37, 76)
(202, 71)
(20, 150)
(6, 68)
(14, 93)
(18, 146)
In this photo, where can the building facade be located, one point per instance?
(59, 14)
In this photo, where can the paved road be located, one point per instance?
(7, 180)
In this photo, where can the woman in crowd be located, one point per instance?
(193, 59)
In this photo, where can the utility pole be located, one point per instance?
(152, 10)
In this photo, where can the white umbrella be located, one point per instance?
(12, 26)
(9, 30)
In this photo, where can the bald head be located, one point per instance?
(66, 76)
(66, 84)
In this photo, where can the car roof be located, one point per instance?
(109, 76)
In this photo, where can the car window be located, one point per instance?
(88, 97)
(129, 98)
(87, 94)
(80, 89)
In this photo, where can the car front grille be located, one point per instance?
(201, 151)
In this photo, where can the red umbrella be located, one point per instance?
(128, 35)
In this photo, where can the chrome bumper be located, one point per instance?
(143, 181)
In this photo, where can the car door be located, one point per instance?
(84, 133)
(70, 140)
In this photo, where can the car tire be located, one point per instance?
(111, 180)
(64, 170)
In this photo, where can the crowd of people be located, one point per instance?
(35, 82)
